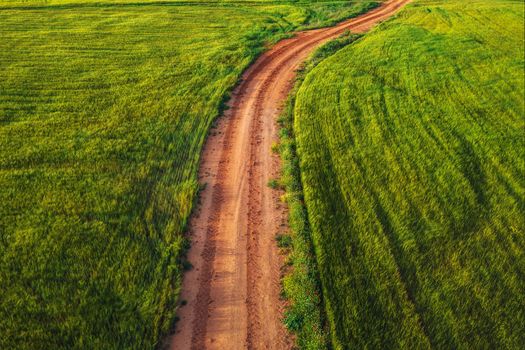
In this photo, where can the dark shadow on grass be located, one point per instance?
(471, 168)
(407, 271)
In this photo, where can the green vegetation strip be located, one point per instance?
(103, 112)
(305, 314)
(411, 152)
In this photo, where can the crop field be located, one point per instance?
(412, 156)
(104, 107)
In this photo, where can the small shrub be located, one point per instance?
(284, 240)
(186, 265)
(273, 183)
(275, 148)
(293, 321)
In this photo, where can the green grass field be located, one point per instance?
(104, 107)
(412, 156)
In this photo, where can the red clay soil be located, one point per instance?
(232, 292)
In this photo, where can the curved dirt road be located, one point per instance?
(233, 289)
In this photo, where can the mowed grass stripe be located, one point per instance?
(412, 158)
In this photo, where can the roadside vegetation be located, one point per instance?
(305, 313)
(104, 107)
(412, 157)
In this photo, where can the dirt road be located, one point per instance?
(232, 292)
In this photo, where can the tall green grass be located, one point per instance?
(411, 146)
(104, 107)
